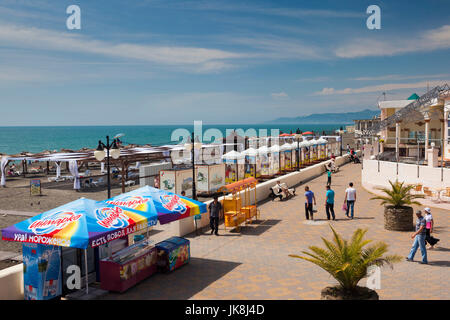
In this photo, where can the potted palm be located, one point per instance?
(398, 213)
(348, 262)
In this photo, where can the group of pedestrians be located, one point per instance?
(422, 236)
(348, 205)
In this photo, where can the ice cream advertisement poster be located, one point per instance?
(202, 178)
(41, 271)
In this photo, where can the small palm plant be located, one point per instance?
(348, 261)
(399, 195)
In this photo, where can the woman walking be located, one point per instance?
(429, 229)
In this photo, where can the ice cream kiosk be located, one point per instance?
(234, 166)
(210, 178)
(252, 163)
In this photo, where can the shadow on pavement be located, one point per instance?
(255, 230)
(441, 249)
(439, 263)
(180, 284)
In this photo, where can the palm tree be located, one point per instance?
(398, 215)
(399, 195)
(348, 262)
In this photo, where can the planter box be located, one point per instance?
(398, 219)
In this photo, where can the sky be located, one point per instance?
(172, 62)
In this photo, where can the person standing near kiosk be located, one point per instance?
(215, 208)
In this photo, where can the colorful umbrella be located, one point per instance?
(80, 224)
(169, 206)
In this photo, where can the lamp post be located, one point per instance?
(100, 154)
(191, 146)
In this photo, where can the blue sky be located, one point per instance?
(172, 62)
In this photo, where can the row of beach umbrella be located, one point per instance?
(234, 155)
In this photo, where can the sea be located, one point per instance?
(14, 140)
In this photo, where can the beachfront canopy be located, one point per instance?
(169, 206)
(84, 222)
(80, 224)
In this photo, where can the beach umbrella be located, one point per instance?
(120, 135)
(169, 206)
(275, 148)
(233, 155)
(286, 147)
(263, 150)
(252, 152)
(307, 133)
(80, 224)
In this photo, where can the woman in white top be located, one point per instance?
(429, 228)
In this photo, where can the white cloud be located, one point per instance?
(381, 88)
(273, 47)
(211, 5)
(427, 41)
(280, 95)
(203, 59)
(401, 77)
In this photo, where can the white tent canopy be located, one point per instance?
(250, 152)
(233, 155)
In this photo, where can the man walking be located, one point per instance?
(309, 199)
(350, 198)
(215, 209)
(329, 203)
(419, 239)
(329, 177)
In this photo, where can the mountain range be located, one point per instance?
(323, 118)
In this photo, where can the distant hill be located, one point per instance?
(323, 118)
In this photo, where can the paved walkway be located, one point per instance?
(254, 264)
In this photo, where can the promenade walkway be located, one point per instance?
(254, 263)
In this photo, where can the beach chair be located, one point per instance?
(430, 194)
(136, 167)
(130, 183)
(417, 189)
(87, 173)
(98, 182)
(445, 194)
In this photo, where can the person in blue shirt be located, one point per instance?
(309, 199)
(329, 203)
(329, 177)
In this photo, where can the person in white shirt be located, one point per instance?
(350, 198)
(282, 188)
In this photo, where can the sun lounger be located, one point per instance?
(130, 183)
(98, 182)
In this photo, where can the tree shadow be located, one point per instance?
(180, 284)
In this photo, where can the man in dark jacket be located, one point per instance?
(215, 208)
